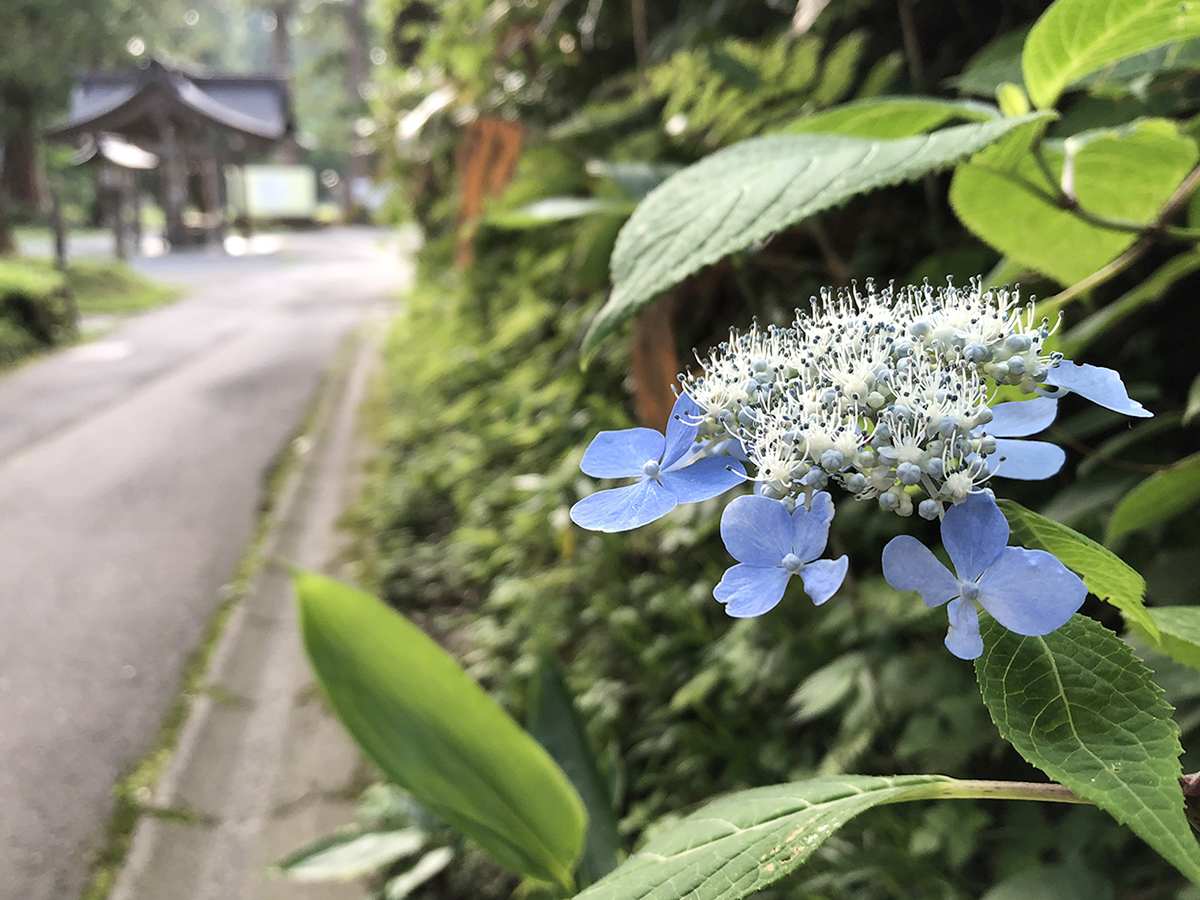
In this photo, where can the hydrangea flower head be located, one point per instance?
(666, 468)
(1027, 591)
(771, 545)
(886, 392)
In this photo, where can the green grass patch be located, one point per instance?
(40, 305)
(113, 288)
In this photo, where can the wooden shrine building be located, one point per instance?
(194, 125)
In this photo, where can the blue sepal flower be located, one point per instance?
(1024, 460)
(666, 469)
(1027, 591)
(771, 545)
(1102, 386)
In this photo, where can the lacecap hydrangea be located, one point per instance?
(888, 395)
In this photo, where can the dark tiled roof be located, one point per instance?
(258, 106)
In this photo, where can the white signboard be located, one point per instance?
(272, 192)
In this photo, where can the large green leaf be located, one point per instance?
(1160, 497)
(429, 865)
(996, 64)
(740, 843)
(1074, 38)
(555, 722)
(1123, 76)
(1179, 633)
(749, 191)
(1081, 707)
(1106, 575)
(433, 731)
(1125, 174)
(890, 117)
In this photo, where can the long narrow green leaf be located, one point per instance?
(1160, 497)
(1193, 402)
(1081, 707)
(344, 857)
(433, 731)
(1112, 314)
(1074, 38)
(749, 191)
(556, 209)
(555, 722)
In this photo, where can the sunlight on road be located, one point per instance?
(102, 351)
(257, 244)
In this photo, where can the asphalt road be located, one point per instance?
(131, 471)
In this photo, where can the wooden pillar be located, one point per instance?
(59, 229)
(135, 212)
(210, 191)
(173, 176)
(118, 213)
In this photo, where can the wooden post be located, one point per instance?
(60, 231)
(173, 173)
(210, 189)
(118, 225)
(654, 363)
(135, 206)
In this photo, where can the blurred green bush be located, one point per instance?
(36, 309)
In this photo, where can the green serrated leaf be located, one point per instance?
(344, 857)
(1160, 497)
(740, 843)
(1076, 37)
(1179, 633)
(1106, 575)
(1081, 707)
(995, 64)
(742, 194)
(1180, 56)
(433, 731)
(890, 117)
(1125, 174)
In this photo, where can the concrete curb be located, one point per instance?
(261, 766)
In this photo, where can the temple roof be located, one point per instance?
(133, 103)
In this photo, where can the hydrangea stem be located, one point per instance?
(972, 789)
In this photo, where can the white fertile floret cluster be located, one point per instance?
(883, 392)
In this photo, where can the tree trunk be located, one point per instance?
(8, 244)
(19, 180)
(356, 77)
(281, 64)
